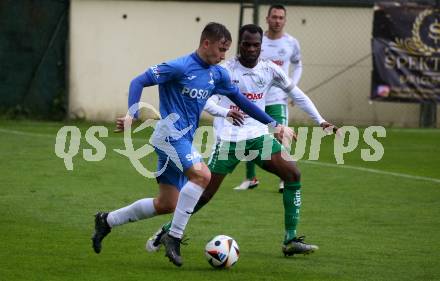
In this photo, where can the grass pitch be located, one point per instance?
(372, 220)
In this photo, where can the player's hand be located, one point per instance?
(284, 135)
(329, 127)
(122, 122)
(237, 117)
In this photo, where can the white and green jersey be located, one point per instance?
(254, 83)
(283, 52)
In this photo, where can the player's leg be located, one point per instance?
(210, 191)
(141, 209)
(250, 170)
(280, 113)
(251, 180)
(198, 176)
(171, 176)
(221, 162)
(146, 208)
(290, 174)
(198, 179)
(169, 181)
(153, 243)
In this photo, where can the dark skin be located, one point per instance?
(249, 52)
(286, 170)
(280, 163)
(250, 49)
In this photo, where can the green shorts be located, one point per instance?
(226, 155)
(278, 112)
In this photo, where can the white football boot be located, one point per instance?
(247, 184)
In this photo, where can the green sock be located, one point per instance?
(292, 204)
(250, 170)
(166, 226)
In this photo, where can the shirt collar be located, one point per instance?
(197, 58)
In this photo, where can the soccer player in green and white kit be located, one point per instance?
(254, 77)
(283, 50)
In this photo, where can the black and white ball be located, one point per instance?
(222, 251)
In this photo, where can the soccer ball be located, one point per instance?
(222, 251)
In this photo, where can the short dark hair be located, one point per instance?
(251, 28)
(214, 32)
(276, 6)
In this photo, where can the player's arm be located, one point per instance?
(134, 96)
(306, 104)
(281, 80)
(296, 72)
(216, 110)
(296, 68)
(224, 87)
(154, 75)
(251, 109)
(296, 63)
(135, 91)
(282, 133)
(295, 75)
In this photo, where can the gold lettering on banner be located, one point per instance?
(415, 63)
(413, 59)
(434, 31)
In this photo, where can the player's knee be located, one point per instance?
(166, 207)
(203, 179)
(296, 175)
(293, 175)
(201, 176)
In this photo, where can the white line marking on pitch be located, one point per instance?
(374, 171)
(29, 134)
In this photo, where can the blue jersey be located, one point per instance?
(184, 86)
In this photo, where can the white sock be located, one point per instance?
(141, 209)
(188, 197)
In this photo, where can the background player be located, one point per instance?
(284, 50)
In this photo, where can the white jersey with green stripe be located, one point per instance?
(283, 52)
(254, 83)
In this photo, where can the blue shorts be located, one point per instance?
(174, 158)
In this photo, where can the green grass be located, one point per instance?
(369, 226)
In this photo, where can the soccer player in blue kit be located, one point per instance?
(184, 86)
